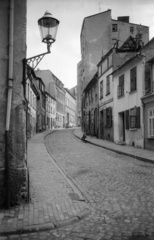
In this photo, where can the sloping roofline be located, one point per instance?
(136, 55)
(116, 20)
(70, 93)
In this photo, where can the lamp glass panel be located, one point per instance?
(48, 28)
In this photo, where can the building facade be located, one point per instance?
(79, 94)
(70, 109)
(98, 34)
(41, 106)
(13, 154)
(97, 37)
(60, 104)
(127, 104)
(91, 107)
(50, 112)
(105, 82)
(148, 106)
(31, 96)
(131, 84)
(56, 90)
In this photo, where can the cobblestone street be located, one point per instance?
(118, 189)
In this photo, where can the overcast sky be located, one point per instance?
(65, 52)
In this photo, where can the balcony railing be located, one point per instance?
(120, 90)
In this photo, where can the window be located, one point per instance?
(135, 117)
(101, 89)
(131, 29)
(95, 97)
(108, 63)
(133, 78)
(100, 70)
(121, 86)
(28, 91)
(151, 123)
(108, 117)
(107, 85)
(147, 78)
(114, 28)
(43, 102)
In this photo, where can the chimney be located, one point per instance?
(124, 19)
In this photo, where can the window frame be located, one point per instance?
(133, 79)
(131, 29)
(101, 89)
(108, 85)
(120, 88)
(152, 123)
(114, 27)
(134, 118)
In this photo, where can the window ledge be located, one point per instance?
(121, 96)
(133, 129)
(133, 91)
(151, 138)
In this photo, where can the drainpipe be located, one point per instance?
(9, 99)
(143, 94)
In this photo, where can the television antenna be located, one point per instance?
(100, 6)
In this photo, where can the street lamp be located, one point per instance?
(48, 28)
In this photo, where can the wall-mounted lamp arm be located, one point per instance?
(34, 61)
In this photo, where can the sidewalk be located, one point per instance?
(137, 153)
(55, 201)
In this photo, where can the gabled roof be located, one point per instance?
(68, 91)
(91, 83)
(50, 95)
(48, 79)
(138, 56)
(106, 55)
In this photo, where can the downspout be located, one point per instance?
(9, 99)
(143, 94)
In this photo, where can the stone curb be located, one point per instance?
(48, 226)
(119, 152)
